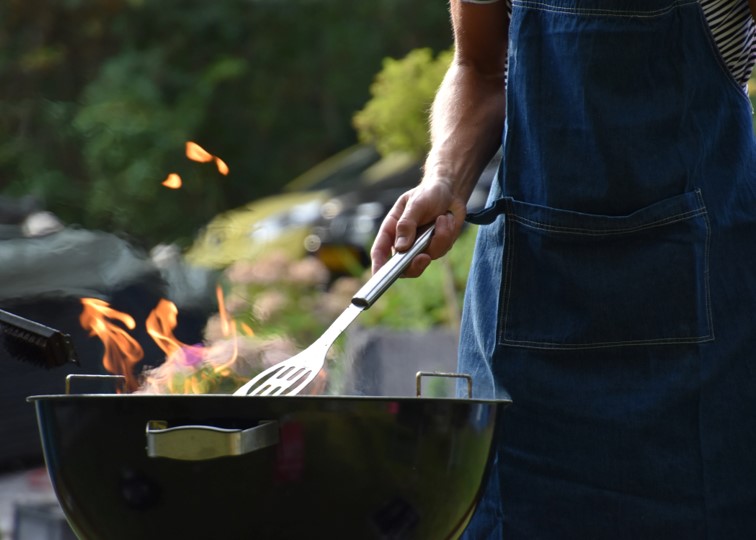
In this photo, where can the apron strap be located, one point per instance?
(489, 214)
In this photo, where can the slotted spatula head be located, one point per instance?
(291, 376)
(287, 377)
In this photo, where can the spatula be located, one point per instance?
(291, 376)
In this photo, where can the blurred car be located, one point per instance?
(281, 221)
(348, 223)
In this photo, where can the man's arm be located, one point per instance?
(467, 120)
(467, 117)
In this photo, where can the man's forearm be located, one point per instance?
(467, 119)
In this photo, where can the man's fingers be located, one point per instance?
(417, 266)
(385, 240)
(443, 236)
(412, 210)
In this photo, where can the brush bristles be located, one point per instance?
(34, 343)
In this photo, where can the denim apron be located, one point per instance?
(612, 295)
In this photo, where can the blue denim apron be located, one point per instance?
(613, 290)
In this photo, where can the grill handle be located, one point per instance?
(420, 374)
(199, 443)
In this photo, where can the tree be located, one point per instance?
(97, 99)
(396, 117)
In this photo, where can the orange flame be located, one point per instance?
(222, 167)
(196, 153)
(122, 352)
(228, 329)
(225, 318)
(160, 325)
(173, 181)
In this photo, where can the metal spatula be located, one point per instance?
(291, 376)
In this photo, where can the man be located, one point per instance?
(613, 289)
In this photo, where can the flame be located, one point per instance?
(196, 153)
(222, 167)
(180, 357)
(228, 329)
(225, 318)
(122, 352)
(173, 181)
(160, 324)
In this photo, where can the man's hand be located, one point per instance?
(427, 203)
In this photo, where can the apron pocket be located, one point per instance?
(580, 281)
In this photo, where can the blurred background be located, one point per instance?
(232, 159)
(212, 174)
(99, 96)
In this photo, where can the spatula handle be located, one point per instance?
(390, 272)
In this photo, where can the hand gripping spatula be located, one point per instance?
(291, 376)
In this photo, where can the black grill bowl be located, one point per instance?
(342, 467)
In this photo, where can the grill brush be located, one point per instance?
(35, 343)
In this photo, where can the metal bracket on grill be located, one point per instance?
(120, 380)
(420, 374)
(198, 442)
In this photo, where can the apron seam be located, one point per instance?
(608, 344)
(540, 6)
(707, 262)
(608, 232)
(506, 286)
(511, 218)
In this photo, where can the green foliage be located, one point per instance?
(98, 98)
(433, 299)
(396, 117)
(279, 295)
(132, 137)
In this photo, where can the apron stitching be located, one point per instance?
(607, 232)
(509, 255)
(606, 344)
(605, 12)
(510, 218)
(707, 285)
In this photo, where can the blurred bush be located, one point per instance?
(396, 117)
(98, 97)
